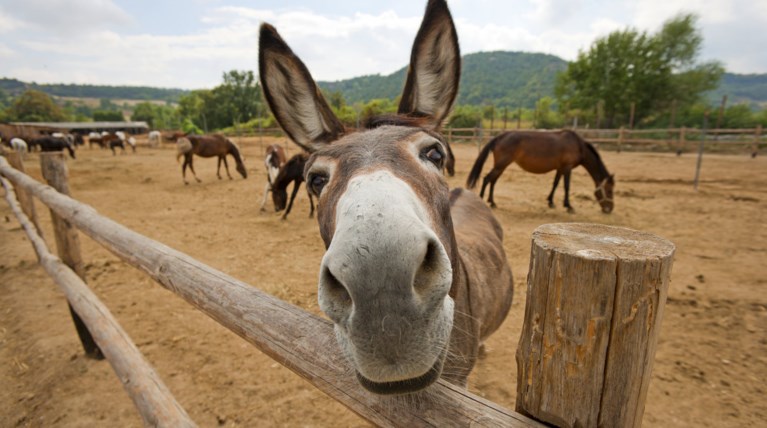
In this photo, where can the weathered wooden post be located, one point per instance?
(595, 300)
(621, 136)
(757, 138)
(25, 199)
(54, 169)
(682, 139)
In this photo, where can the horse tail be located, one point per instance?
(477, 168)
(183, 146)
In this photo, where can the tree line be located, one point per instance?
(627, 78)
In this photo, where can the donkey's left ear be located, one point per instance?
(435, 67)
(292, 94)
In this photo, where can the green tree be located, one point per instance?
(35, 106)
(650, 71)
(108, 116)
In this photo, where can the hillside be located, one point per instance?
(513, 79)
(510, 79)
(741, 88)
(15, 87)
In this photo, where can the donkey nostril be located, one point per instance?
(428, 271)
(334, 289)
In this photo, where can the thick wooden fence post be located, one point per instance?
(25, 199)
(757, 139)
(595, 299)
(682, 139)
(54, 169)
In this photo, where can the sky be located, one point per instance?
(190, 44)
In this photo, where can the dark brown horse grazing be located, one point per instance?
(540, 152)
(415, 277)
(208, 146)
(273, 161)
(291, 172)
(54, 144)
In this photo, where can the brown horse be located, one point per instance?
(291, 172)
(415, 277)
(208, 146)
(274, 161)
(540, 152)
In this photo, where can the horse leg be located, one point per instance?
(190, 157)
(218, 168)
(567, 192)
(226, 165)
(490, 178)
(554, 188)
(183, 171)
(292, 197)
(311, 204)
(267, 188)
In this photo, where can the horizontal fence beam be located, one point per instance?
(152, 398)
(299, 340)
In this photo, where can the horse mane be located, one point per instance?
(601, 167)
(283, 179)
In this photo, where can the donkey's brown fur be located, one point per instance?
(415, 276)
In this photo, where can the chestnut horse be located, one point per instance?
(291, 172)
(274, 160)
(415, 277)
(540, 152)
(207, 146)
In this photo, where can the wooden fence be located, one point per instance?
(626, 316)
(672, 139)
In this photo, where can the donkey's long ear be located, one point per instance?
(435, 66)
(292, 95)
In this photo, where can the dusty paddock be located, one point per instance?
(710, 366)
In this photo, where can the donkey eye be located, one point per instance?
(434, 155)
(317, 182)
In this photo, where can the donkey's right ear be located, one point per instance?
(292, 94)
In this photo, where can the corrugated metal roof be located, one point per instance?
(83, 125)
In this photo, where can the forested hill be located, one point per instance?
(14, 87)
(513, 79)
(750, 88)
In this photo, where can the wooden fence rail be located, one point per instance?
(152, 398)
(283, 331)
(595, 300)
(673, 138)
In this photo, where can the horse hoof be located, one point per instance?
(551, 205)
(493, 205)
(186, 183)
(570, 210)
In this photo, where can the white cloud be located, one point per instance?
(67, 17)
(94, 44)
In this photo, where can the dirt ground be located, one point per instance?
(710, 366)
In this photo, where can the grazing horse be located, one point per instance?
(274, 161)
(540, 152)
(19, 145)
(291, 172)
(155, 139)
(207, 146)
(415, 277)
(53, 144)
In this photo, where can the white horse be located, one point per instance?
(155, 138)
(19, 145)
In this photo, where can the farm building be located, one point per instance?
(37, 128)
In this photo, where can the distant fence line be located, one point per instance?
(669, 139)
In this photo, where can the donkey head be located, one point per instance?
(384, 209)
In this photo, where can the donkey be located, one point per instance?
(274, 160)
(415, 277)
